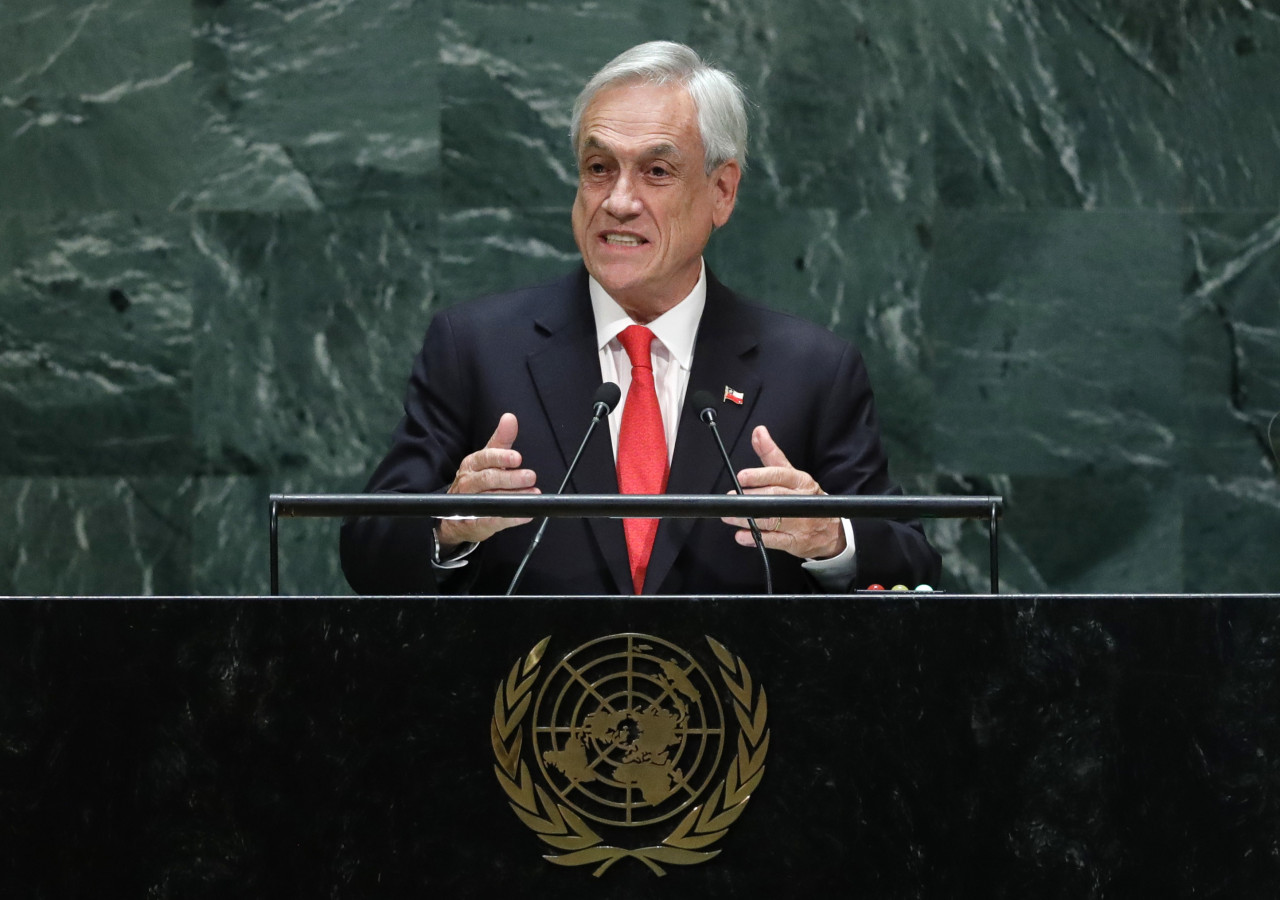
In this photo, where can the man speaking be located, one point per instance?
(503, 389)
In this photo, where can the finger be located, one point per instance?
(494, 478)
(504, 436)
(497, 452)
(486, 478)
(772, 540)
(769, 452)
(773, 480)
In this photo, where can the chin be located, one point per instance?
(618, 283)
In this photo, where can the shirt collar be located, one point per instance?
(677, 328)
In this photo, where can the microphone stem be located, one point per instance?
(751, 522)
(598, 413)
(601, 410)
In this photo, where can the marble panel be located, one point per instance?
(1230, 532)
(1231, 330)
(860, 276)
(95, 344)
(507, 100)
(231, 537)
(1054, 342)
(87, 536)
(306, 327)
(484, 250)
(508, 81)
(307, 105)
(842, 97)
(1116, 532)
(1059, 103)
(95, 104)
(1226, 125)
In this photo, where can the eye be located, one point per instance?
(659, 171)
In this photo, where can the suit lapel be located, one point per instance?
(723, 357)
(566, 372)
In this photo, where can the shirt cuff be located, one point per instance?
(455, 558)
(833, 574)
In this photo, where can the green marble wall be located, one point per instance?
(1052, 225)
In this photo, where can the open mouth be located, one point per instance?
(624, 240)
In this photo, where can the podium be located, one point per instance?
(918, 745)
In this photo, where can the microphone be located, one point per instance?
(705, 402)
(603, 403)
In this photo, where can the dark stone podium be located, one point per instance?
(919, 746)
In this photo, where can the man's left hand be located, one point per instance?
(805, 538)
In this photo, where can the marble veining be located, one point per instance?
(1050, 226)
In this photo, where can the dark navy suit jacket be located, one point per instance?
(533, 353)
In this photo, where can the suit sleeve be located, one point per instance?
(392, 554)
(850, 459)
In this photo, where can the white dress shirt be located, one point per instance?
(675, 332)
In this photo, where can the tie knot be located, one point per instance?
(635, 339)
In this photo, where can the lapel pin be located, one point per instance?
(732, 396)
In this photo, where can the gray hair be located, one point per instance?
(717, 96)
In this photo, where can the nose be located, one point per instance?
(622, 202)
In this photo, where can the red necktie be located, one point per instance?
(642, 448)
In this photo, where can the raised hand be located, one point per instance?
(493, 469)
(805, 538)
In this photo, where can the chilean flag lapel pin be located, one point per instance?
(732, 396)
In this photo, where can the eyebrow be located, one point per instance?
(670, 150)
(666, 150)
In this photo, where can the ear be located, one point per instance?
(724, 188)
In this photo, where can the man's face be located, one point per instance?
(645, 206)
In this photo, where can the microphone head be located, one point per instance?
(705, 403)
(609, 394)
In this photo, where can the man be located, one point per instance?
(501, 393)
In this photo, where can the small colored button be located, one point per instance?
(875, 587)
(924, 588)
(899, 587)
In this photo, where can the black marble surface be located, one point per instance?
(941, 746)
(1052, 226)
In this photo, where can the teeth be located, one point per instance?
(625, 240)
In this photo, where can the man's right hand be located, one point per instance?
(494, 469)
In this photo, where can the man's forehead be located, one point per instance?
(642, 118)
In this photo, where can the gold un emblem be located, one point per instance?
(629, 736)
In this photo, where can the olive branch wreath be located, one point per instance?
(563, 829)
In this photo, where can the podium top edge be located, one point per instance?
(637, 505)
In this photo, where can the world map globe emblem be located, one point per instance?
(628, 730)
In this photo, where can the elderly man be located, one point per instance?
(501, 392)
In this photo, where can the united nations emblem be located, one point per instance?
(628, 733)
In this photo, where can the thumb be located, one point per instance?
(769, 452)
(504, 436)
